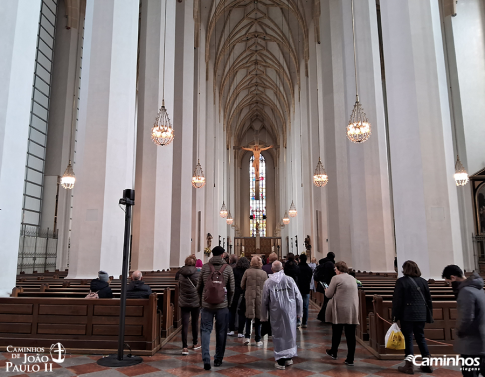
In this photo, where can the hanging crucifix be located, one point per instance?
(256, 149)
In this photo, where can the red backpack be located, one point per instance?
(215, 286)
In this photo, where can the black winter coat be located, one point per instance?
(138, 289)
(291, 269)
(407, 303)
(238, 275)
(305, 278)
(102, 288)
(188, 276)
(325, 270)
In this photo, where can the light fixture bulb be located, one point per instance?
(223, 211)
(320, 177)
(68, 179)
(461, 175)
(162, 131)
(292, 211)
(229, 219)
(359, 128)
(198, 178)
(286, 219)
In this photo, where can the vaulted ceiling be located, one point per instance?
(259, 50)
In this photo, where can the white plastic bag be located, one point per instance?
(394, 338)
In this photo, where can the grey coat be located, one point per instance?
(228, 277)
(470, 323)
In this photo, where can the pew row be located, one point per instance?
(85, 325)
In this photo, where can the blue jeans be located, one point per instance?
(410, 327)
(306, 302)
(206, 323)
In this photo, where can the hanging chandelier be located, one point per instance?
(359, 128)
(229, 219)
(320, 177)
(162, 131)
(223, 211)
(286, 219)
(292, 210)
(461, 175)
(68, 179)
(198, 178)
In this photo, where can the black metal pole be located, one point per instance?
(128, 201)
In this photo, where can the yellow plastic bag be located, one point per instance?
(395, 338)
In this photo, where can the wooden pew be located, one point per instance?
(81, 325)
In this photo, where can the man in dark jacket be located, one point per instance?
(304, 281)
(267, 267)
(218, 311)
(291, 268)
(324, 272)
(470, 323)
(101, 285)
(137, 287)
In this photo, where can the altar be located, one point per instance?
(247, 246)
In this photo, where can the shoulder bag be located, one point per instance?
(429, 314)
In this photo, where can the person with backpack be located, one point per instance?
(324, 274)
(216, 291)
(188, 277)
(99, 288)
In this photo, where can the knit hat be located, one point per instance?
(198, 263)
(217, 251)
(103, 276)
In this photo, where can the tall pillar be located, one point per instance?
(371, 227)
(151, 215)
(19, 23)
(105, 137)
(422, 161)
(183, 120)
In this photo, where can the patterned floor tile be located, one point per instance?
(138, 369)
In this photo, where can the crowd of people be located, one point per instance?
(271, 297)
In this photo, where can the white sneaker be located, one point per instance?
(259, 344)
(246, 341)
(278, 366)
(288, 362)
(240, 335)
(230, 333)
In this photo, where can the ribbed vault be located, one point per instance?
(257, 47)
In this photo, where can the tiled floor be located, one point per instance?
(239, 360)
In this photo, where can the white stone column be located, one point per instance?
(19, 23)
(183, 120)
(106, 136)
(151, 214)
(422, 161)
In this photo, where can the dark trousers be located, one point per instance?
(350, 337)
(186, 314)
(233, 312)
(409, 328)
(257, 328)
(473, 371)
(321, 314)
(282, 361)
(207, 317)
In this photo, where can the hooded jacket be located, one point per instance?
(102, 288)
(217, 262)
(138, 289)
(188, 276)
(291, 269)
(470, 323)
(325, 270)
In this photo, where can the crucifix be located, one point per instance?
(256, 149)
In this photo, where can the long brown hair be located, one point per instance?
(410, 268)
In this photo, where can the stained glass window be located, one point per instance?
(257, 209)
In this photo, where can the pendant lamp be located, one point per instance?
(229, 219)
(461, 175)
(320, 177)
(292, 211)
(286, 219)
(223, 211)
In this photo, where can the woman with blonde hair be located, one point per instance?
(253, 282)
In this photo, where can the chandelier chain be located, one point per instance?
(164, 46)
(355, 54)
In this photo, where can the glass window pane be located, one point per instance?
(32, 204)
(46, 63)
(38, 123)
(34, 176)
(45, 49)
(35, 163)
(33, 190)
(39, 111)
(257, 208)
(31, 218)
(36, 150)
(41, 72)
(41, 98)
(42, 86)
(47, 25)
(47, 12)
(46, 37)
